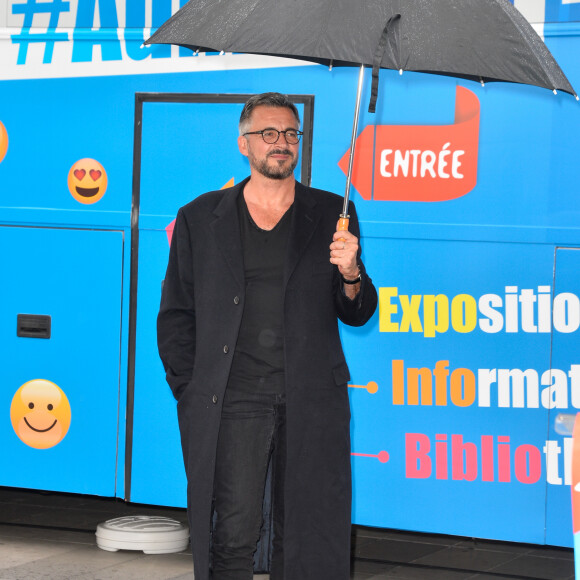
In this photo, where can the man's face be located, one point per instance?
(277, 160)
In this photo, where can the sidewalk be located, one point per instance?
(50, 536)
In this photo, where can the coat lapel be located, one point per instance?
(305, 218)
(226, 231)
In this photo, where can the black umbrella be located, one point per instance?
(481, 40)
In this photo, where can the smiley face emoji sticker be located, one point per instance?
(3, 141)
(40, 414)
(87, 181)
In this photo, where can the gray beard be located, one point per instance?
(276, 172)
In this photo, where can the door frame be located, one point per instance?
(192, 98)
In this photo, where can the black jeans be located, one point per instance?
(252, 432)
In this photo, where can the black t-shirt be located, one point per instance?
(258, 364)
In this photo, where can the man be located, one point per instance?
(248, 335)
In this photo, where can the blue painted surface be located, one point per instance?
(74, 276)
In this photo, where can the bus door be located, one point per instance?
(185, 145)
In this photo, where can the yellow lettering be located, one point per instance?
(463, 313)
(387, 309)
(410, 318)
(435, 314)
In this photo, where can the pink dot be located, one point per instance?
(383, 456)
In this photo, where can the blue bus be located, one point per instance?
(468, 201)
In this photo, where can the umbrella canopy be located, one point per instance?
(482, 40)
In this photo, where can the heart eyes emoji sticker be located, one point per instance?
(87, 181)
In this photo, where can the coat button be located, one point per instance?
(226, 349)
(214, 399)
(236, 299)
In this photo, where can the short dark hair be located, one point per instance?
(265, 100)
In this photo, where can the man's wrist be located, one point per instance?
(351, 281)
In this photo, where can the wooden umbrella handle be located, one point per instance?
(343, 221)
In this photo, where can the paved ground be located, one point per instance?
(45, 536)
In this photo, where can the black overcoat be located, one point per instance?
(201, 310)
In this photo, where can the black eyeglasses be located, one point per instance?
(271, 136)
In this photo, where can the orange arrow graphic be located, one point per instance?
(419, 162)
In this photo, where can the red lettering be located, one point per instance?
(528, 464)
(469, 460)
(441, 469)
(487, 470)
(503, 459)
(463, 459)
(418, 462)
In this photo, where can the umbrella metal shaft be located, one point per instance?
(353, 141)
